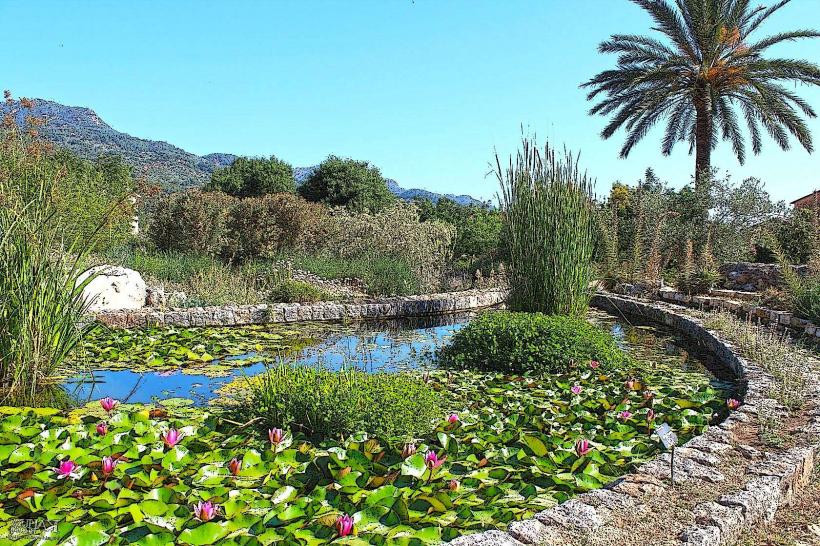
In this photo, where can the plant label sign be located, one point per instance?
(668, 438)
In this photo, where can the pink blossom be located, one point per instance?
(594, 364)
(452, 419)
(408, 450)
(108, 404)
(732, 404)
(102, 428)
(205, 511)
(276, 435)
(576, 389)
(582, 447)
(235, 466)
(344, 525)
(432, 460)
(650, 415)
(108, 465)
(171, 437)
(453, 485)
(68, 469)
(625, 415)
(630, 384)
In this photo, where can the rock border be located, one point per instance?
(242, 315)
(770, 482)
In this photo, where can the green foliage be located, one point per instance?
(41, 301)
(805, 298)
(530, 342)
(706, 74)
(381, 275)
(339, 182)
(293, 291)
(511, 454)
(191, 221)
(253, 177)
(548, 215)
(332, 404)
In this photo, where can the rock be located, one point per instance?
(155, 296)
(113, 288)
(487, 538)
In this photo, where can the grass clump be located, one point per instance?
(333, 404)
(293, 291)
(522, 342)
(381, 275)
(548, 229)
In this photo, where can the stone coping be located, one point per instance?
(241, 315)
(738, 303)
(768, 483)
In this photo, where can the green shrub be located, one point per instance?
(191, 221)
(323, 403)
(805, 298)
(340, 182)
(548, 230)
(293, 291)
(253, 177)
(522, 342)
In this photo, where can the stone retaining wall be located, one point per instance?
(739, 303)
(768, 482)
(753, 277)
(239, 315)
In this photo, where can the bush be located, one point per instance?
(548, 230)
(323, 403)
(253, 177)
(191, 221)
(523, 342)
(805, 298)
(293, 291)
(339, 182)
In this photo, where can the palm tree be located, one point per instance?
(708, 74)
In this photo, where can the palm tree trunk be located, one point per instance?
(703, 134)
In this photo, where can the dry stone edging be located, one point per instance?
(769, 483)
(242, 315)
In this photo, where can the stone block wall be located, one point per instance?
(752, 277)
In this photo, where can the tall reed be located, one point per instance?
(41, 303)
(548, 221)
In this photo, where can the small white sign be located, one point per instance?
(668, 438)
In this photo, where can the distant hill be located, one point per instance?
(83, 132)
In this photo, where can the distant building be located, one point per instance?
(811, 200)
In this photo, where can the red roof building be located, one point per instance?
(811, 200)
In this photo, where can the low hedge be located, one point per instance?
(522, 342)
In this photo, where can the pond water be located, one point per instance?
(195, 363)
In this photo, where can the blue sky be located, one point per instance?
(426, 90)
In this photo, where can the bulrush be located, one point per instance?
(582, 447)
(108, 466)
(344, 525)
(576, 389)
(594, 364)
(205, 511)
(408, 450)
(108, 404)
(452, 419)
(732, 404)
(432, 460)
(68, 469)
(102, 428)
(171, 437)
(625, 415)
(235, 466)
(276, 435)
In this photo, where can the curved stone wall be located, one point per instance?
(754, 483)
(240, 315)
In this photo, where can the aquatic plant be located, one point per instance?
(548, 230)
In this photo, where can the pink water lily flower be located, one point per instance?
(453, 485)
(576, 389)
(171, 437)
(408, 450)
(582, 447)
(594, 364)
(648, 395)
(235, 466)
(732, 404)
(650, 415)
(108, 404)
(102, 428)
(625, 415)
(108, 466)
(276, 435)
(68, 469)
(432, 460)
(205, 511)
(630, 384)
(344, 525)
(452, 419)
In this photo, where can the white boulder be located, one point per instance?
(113, 288)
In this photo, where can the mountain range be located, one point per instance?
(83, 132)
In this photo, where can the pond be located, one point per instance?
(159, 364)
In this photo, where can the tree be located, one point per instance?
(357, 185)
(253, 177)
(703, 79)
